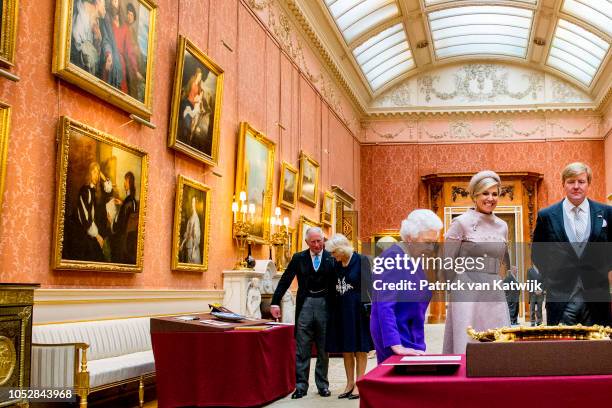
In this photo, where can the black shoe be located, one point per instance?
(346, 394)
(353, 396)
(324, 392)
(298, 394)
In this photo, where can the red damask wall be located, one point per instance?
(262, 86)
(391, 175)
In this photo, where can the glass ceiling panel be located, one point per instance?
(434, 2)
(489, 49)
(598, 13)
(355, 17)
(385, 55)
(576, 51)
(386, 51)
(492, 30)
(390, 63)
(391, 74)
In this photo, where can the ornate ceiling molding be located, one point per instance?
(462, 130)
(463, 111)
(481, 83)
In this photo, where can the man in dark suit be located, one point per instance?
(536, 297)
(512, 295)
(571, 248)
(314, 268)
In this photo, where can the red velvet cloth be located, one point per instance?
(232, 368)
(381, 387)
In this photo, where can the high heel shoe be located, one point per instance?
(346, 394)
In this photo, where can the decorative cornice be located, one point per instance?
(327, 59)
(461, 111)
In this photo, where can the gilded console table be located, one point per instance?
(16, 301)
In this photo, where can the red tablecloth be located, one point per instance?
(381, 387)
(233, 368)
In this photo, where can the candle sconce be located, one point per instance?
(243, 213)
(279, 238)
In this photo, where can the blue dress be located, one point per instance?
(348, 324)
(398, 318)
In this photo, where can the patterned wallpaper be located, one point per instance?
(262, 86)
(391, 175)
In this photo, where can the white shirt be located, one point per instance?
(570, 217)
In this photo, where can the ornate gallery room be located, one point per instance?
(236, 202)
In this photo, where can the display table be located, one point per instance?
(222, 368)
(381, 387)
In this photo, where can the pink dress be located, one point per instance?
(474, 234)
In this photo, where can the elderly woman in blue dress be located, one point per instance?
(348, 329)
(398, 317)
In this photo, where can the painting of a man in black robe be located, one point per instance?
(103, 192)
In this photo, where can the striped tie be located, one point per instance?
(579, 224)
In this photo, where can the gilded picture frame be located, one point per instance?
(254, 175)
(287, 186)
(190, 236)
(96, 227)
(8, 31)
(5, 125)
(388, 238)
(308, 185)
(327, 208)
(125, 77)
(196, 104)
(303, 226)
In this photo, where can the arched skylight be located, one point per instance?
(434, 2)
(489, 30)
(576, 51)
(384, 56)
(356, 17)
(598, 13)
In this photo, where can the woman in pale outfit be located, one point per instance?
(477, 233)
(348, 323)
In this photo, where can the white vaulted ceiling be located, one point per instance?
(384, 42)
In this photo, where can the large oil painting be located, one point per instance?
(254, 175)
(101, 201)
(106, 47)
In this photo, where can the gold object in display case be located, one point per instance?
(560, 332)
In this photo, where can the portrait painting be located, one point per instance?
(5, 118)
(287, 191)
(105, 47)
(8, 31)
(327, 208)
(101, 201)
(254, 175)
(308, 179)
(196, 104)
(303, 226)
(191, 226)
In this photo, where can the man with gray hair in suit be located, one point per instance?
(314, 269)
